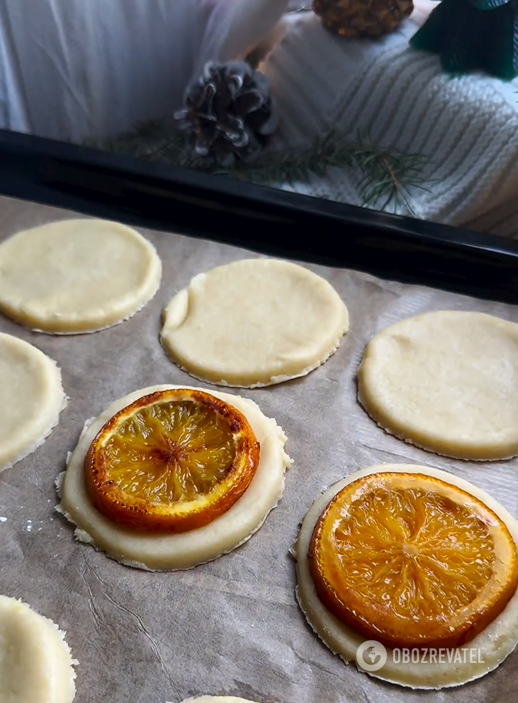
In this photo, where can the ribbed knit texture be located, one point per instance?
(467, 127)
(72, 69)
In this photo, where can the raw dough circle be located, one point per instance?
(178, 551)
(492, 645)
(254, 323)
(31, 398)
(36, 664)
(76, 276)
(446, 382)
(217, 699)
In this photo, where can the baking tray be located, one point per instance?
(265, 220)
(231, 627)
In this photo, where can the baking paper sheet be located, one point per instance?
(231, 627)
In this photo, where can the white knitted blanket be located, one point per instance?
(466, 127)
(71, 69)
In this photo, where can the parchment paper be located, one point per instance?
(231, 627)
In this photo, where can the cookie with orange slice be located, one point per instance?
(415, 559)
(170, 477)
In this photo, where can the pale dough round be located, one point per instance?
(446, 382)
(179, 551)
(254, 323)
(36, 664)
(31, 398)
(217, 699)
(76, 276)
(495, 643)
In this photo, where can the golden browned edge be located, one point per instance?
(147, 517)
(338, 607)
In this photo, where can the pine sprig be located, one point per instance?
(388, 177)
(154, 140)
(385, 178)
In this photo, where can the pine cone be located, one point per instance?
(363, 18)
(228, 113)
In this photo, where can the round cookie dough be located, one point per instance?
(492, 645)
(36, 664)
(446, 382)
(76, 276)
(254, 323)
(159, 552)
(31, 398)
(217, 699)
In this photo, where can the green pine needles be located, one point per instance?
(385, 179)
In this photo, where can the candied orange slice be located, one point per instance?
(411, 561)
(171, 461)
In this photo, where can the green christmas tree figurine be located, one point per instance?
(473, 35)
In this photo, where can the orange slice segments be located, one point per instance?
(412, 561)
(172, 461)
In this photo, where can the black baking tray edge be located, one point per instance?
(264, 220)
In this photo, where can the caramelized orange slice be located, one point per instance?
(411, 561)
(172, 461)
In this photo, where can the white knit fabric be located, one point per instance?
(71, 69)
(466, 127)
